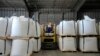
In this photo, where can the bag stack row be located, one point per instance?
(85, 31)
(5, 45)
(20, 36)
(88, 35)
(67, 35)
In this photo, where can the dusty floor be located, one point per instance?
(59, 53)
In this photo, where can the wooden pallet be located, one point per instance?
(90, 51)
(88, 35)
(3, 37)
(68, 36)
(35, 51)
(18, 37)
(69, 51)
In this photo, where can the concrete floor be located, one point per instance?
(59, 53)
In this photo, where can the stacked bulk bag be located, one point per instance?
(30, 46)
(31, 28)
(36, 44)
(90, 24)
(2, 49)
(99, 34)
(35, 32)
(88, 44)
(8, 34)
(34, 29)
(37, 29)
(67, 28)
(19, 47)
(76, 28)
(99, 28)
(88, 27)
(57, 29)
(5, 47)
(21, 44)
(8, 47)
(3, 27)
(67, 43)
(5, 44)
(19, 27)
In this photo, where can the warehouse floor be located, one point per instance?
(59, 53)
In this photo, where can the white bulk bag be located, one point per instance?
(88, 44)
(5, 47)
(60, 42)
(99, 28)
(3, 26)
(2, 46)
(57, 29)
(67, 28)
(67, 44)
(31, 28)
(19, 47)
(19, 27)
(87, 18)
(8, 47)
(23, 18)
(36, 44)
(87, 26)
(81, 44)
(80, 27)
(30, 48)
(36, 29)
(9, 26)
(76, 28)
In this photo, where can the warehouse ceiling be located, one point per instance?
(41, 5)
(91, 4)
(57, 5)
(12, 3)
(54, 4)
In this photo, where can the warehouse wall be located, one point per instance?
(95, 14)
(45, 18)
(56, 17)
(7, 12)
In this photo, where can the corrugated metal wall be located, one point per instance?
(8, 12)
(56, 17)
(70, 16)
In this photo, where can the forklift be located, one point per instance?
(49, 40)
